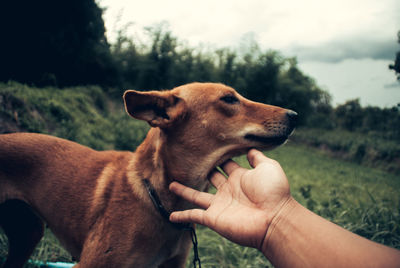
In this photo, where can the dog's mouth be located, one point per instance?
(276, 140)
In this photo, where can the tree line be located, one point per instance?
(63, 43)
(351, 116)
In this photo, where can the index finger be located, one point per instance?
(198, 198)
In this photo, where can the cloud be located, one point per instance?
(312, 30)
(339, 50)
(394, 85)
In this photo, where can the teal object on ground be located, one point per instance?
(42, 264)
(58, 265)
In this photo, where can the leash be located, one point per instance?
(155, 199)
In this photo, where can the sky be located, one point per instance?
(345, 45)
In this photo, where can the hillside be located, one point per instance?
(82, 114)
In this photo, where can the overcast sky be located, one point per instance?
(345, 45)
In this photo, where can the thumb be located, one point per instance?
(256, 157)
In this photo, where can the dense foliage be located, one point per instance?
(351, 116)
(58, 43)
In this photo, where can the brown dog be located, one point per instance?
(95, 202)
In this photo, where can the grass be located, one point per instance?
(353, 183)
(82, 114)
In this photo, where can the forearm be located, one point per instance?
(299, 238)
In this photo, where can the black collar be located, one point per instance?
(160, 207)
(165, 214)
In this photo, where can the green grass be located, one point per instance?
(82, 114)
(353, 183)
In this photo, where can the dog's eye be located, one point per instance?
(230, 99)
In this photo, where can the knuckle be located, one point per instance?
(275, 163)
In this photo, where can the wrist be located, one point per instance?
(277, 222)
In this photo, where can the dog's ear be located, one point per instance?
(158, 108)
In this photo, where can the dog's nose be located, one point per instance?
(292, 116)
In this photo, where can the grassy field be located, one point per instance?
(362, 199)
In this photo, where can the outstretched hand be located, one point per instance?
(245, 203)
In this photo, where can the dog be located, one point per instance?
(95, 202)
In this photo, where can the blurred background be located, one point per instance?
(64, 66)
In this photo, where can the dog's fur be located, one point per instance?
(95, 202)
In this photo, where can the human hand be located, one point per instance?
(245, 204)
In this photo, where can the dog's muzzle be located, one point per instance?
(292, 118)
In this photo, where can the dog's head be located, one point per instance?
(212, 113)
(211, 120)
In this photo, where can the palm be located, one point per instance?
(244, 205)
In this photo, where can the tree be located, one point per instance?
(349, 115)
(396, 65)
(261, 76)
(54, 43)
(300, 93)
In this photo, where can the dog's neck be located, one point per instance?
(162, 160)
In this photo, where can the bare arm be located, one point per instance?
(254, 208)
(299, 238)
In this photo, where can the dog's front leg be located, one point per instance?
(179, 261)
(176, 262)
(108, 248)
